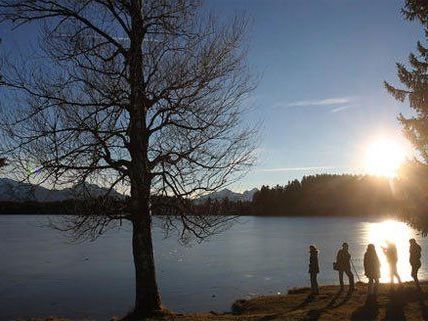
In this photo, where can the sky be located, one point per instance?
(320, 96)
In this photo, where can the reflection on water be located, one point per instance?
(42, 274)
(391, 231)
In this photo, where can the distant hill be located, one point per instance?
(14, 191)
(246, 196)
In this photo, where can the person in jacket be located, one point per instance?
(372, 268)
(343, 265)
(392, 258)
(314, 268)
(415, 260)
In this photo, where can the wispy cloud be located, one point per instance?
(341, 108)
(293, 169)
(320, 102)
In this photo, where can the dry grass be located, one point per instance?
(404, 303)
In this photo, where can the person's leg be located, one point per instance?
(313, 281)
(415, 269)
(351, 279)
(376, 286)
(416, 275)
(391, 273)
(341, 279)
(317, 289)
(370, 286)
(396, 274)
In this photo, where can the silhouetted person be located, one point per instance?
(314, 268)
(392, 258)
(372, 268)
(415, 260)
(343, 265)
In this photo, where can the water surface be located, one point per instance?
(42, 273)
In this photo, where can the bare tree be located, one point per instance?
(143, 96)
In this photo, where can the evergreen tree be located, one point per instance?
(414, 80)
(416, 9)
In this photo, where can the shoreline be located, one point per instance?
(398, 303)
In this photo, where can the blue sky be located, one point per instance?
(321, 96)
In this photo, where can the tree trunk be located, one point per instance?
(147, 299)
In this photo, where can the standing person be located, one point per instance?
(392, 258)
(415, 260)
(372, 268)
(343, 264)
(314, 268)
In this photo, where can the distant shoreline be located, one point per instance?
(362, 216)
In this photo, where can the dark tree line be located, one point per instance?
(326, 195)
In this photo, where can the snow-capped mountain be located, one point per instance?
(231, 195)
(15, 191)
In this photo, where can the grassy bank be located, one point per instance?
(403, 303)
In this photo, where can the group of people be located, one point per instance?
(371, 265)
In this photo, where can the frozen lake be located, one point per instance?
(42, 273)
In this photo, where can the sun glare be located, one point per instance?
(383, 157)
(398, 233)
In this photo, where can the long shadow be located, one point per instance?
(333, 300)
(369, 311)
(269, 317)
(315, 314)
(424, 309)
(423, 306)
(394, 310)
(310, 298)
(344, 300)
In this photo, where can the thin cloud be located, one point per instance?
(293, 169)
(320, 102)
(341, 108)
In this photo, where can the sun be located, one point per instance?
(384, 157)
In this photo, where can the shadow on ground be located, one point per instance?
(369, 311)
(315, 314)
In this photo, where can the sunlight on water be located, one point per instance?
(392, 231)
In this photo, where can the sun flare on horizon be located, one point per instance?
(383, 157)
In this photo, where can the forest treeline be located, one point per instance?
(405, 196)
(315, 195)
(320, 195)
(330, 195)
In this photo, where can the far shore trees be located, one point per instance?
(141, 96)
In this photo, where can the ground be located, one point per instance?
(401, 303)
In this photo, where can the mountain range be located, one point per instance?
(15, 191)
(231, 195)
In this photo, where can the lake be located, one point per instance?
(42, 273)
